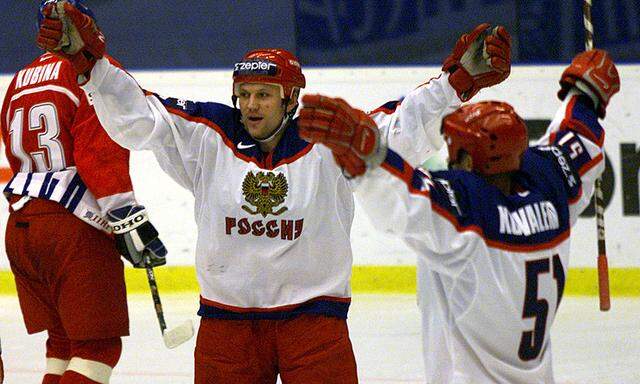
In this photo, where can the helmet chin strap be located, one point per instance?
(285, 121)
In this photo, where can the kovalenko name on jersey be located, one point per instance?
(285, 229)
(529, 219)
(35, 75)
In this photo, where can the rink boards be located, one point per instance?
(382, 263)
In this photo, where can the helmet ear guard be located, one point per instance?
(491, 132)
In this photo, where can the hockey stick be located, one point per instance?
(603, 268)
(173, 337)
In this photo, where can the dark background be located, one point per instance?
(215, 34)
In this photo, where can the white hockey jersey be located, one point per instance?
(492, 268)
(273, 229)
(411, 126)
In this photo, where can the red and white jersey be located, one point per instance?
(51, 135)
(273, 229)
(492, 267)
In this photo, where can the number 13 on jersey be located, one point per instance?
(47, 153)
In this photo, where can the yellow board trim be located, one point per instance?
(368, 279)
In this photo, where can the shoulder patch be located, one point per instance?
(186, 106)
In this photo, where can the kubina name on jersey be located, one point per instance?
(529, 219)
(31, 76)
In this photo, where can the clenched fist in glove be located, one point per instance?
(71, 34)
(593, 73)
(136, 236)
(480, 59)
(351, 135)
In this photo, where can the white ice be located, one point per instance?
(589, 346)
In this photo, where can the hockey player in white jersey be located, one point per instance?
(492, 233)
(274, 212)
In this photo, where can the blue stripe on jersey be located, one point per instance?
(538, 214)
(228, 120)
(395, 161)
(388, 107)
(78, 195)
(318, 307)
(73, 194)
(26, 184)
(290, 144)
(48, 186)
(582, 110)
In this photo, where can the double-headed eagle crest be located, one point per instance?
(265, 191)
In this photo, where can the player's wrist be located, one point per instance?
(581, 88)
(462, 82)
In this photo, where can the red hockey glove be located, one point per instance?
(350, 133)
(480, 59)
(70, 34)
(596, 71)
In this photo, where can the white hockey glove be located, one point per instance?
(135, 236)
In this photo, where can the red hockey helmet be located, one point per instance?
(272, 66)
(491, 132)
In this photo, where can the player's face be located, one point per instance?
(261, 108)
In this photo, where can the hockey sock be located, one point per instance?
(92, 361)
(58, 350)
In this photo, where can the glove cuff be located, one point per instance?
(379, 154)
(124, 220)
(462, 82)
(571, 83)
(83, 63)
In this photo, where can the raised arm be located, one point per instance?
(411, 126)
(399, 198)
(575, 137)
(132, 118)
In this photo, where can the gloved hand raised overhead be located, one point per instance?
(595, 74)
(67, 32)
(480, 59)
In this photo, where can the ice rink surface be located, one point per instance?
(589, 346)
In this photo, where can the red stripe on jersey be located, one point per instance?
(428, 81)
(577, 197)
(592, 163)
(383, 109)
(407, 178)
(406, 175)
(577, 126)
(229, 143)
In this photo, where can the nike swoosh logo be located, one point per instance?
(245, 146)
